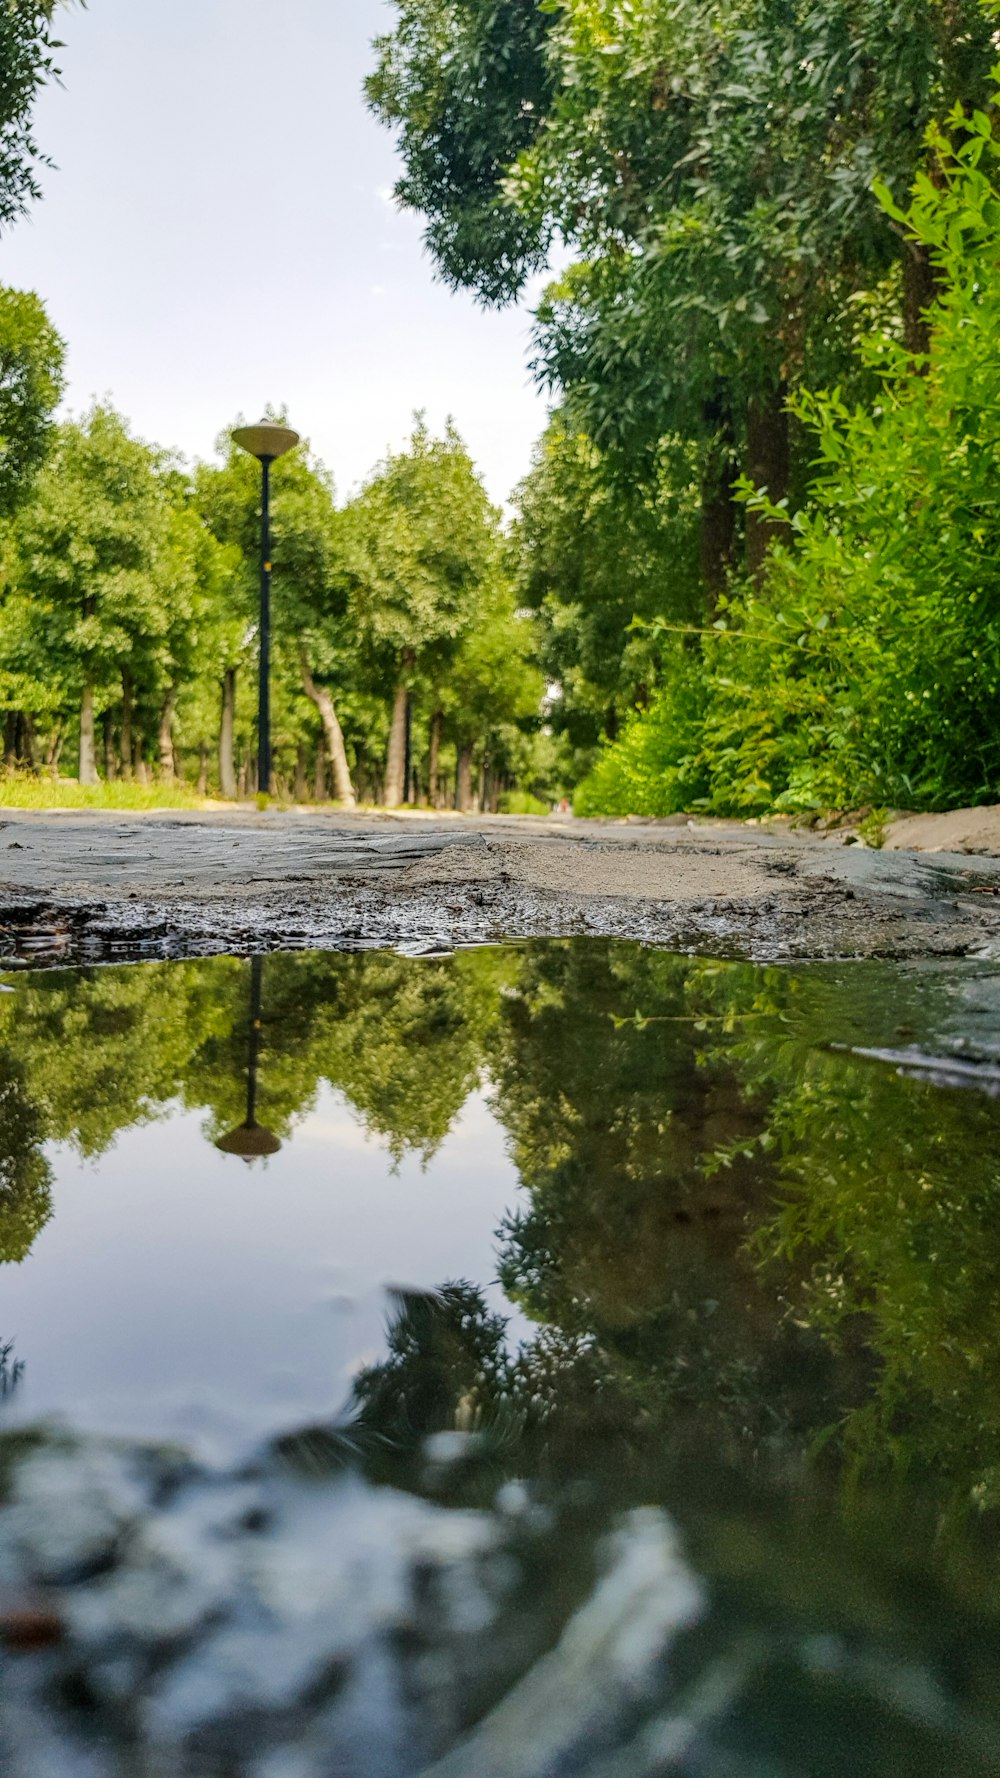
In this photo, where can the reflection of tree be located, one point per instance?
(408, 1041)
(445, 1368)
(99, 1051)
(11, 1370)
(884, 1231)
(746, 1233)
(25, 1175)
(405, 1042)
(603, 1085)
(104, 1049)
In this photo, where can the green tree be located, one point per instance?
(712, 170)
(591, 555)
(27, 60)
(467, 85)
(31, 352)
(493, 696)
(31, 382)
(93, 567)
(422, 543)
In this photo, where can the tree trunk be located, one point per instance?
(203, 771)
(227, 769)
(110, 764)
(718, 508)
(718, 527)
(241, 787)
(55, 747)
(463, 781)
(10, 739)
(319, 776)
(88, 753)
(767, 467)
(301, 781)
(919, 291)
(139, 758)
(320, 695)
(126, 729)
(395, 758)
(28, 742)
(166, 740)
(433, 788)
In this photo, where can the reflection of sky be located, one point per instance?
(177, 1291)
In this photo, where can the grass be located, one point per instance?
(20, 791)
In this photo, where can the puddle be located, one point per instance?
(377, 1305)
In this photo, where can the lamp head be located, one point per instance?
(250, 1141)
(266, 440)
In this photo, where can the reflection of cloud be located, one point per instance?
(344, 1132)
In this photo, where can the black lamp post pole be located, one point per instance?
(266, 441)
(256, 974)
(264, 690)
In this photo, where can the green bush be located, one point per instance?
(521, 802)
(654, 768)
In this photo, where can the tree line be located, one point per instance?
(402, 668)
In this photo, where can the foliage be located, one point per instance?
(421, 539)
(27, 60)
(31, 382)
(591, 553)
(656, 766)
(866, 666)
(878, 632)
(95, 560)
(25, 1174)
(714, 172)
(466, 85)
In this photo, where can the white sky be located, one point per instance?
(217, 235)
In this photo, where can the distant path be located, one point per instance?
(92, 885)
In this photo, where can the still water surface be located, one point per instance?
(687, 1164)
(709, 1233)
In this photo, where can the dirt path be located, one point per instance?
(97, 885)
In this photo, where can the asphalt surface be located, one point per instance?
(93, 886)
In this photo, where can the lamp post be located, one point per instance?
(250, 1140)
(265, 441)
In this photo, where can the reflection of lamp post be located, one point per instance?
(251, 1140)
(265, 441)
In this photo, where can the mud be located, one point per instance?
(95, 887)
